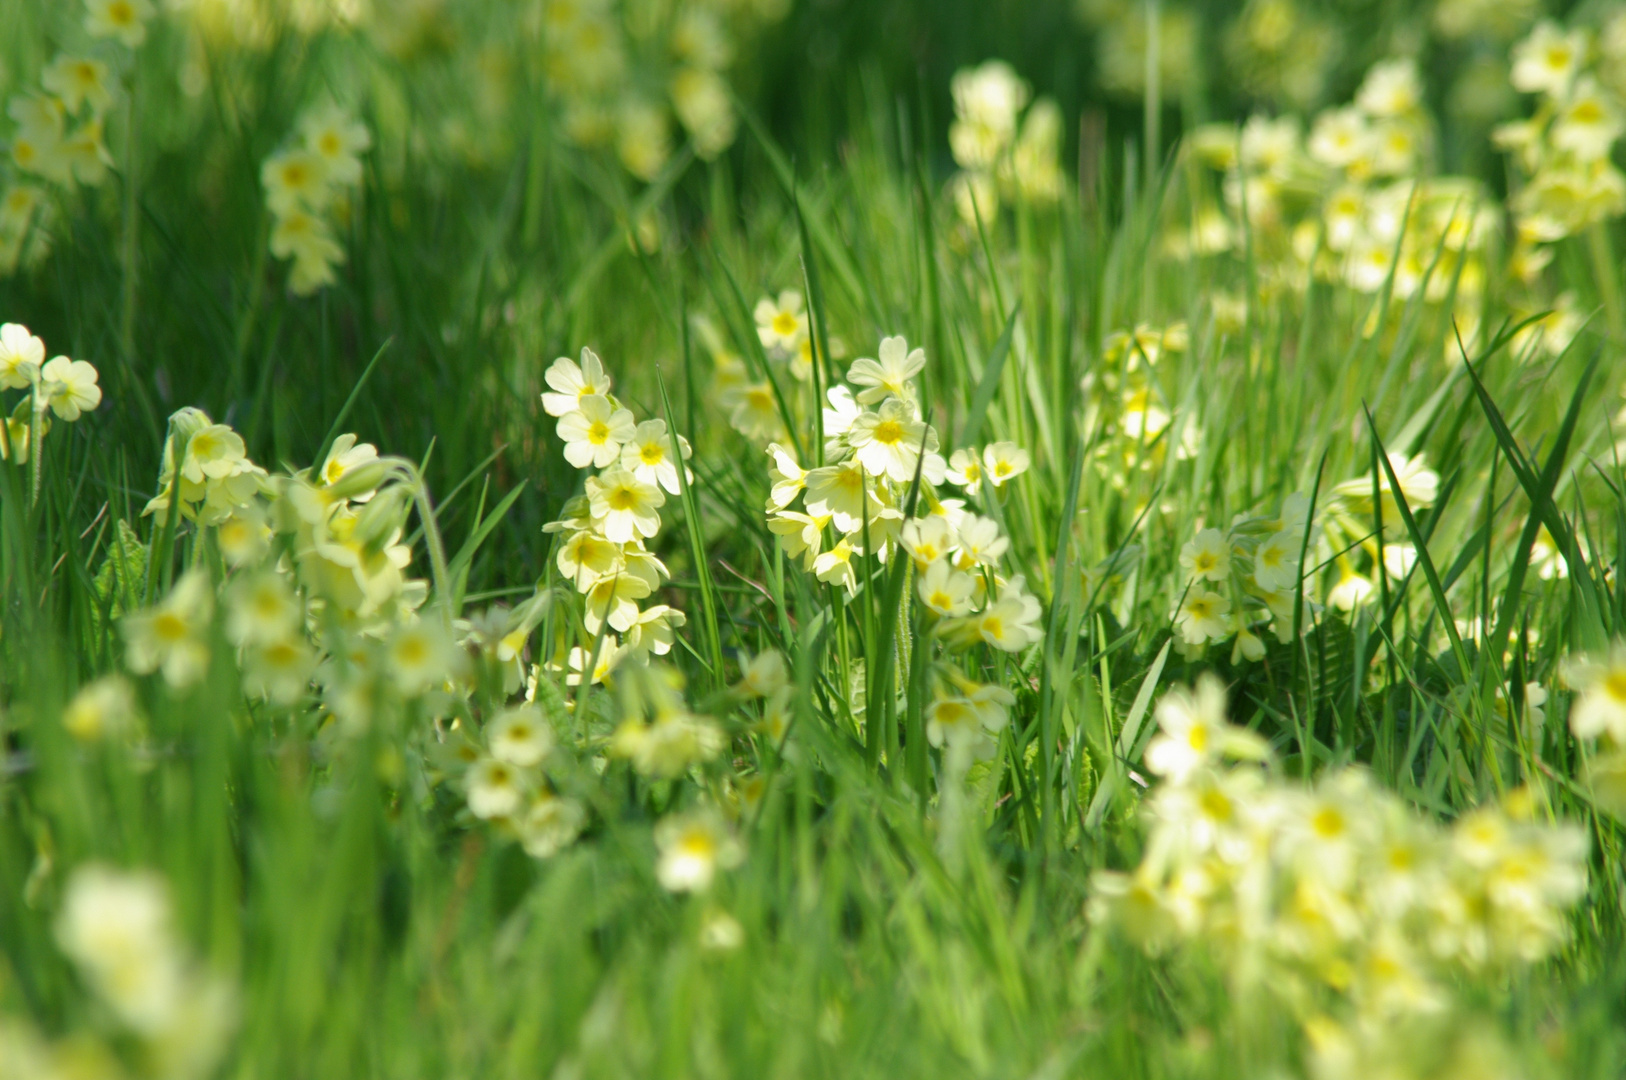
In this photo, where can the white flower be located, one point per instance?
(496, 789)
(551, 824)
(842, 492)
(1010, 623)
(965, 471)
(122, 19)
(21, 356)
(1195, 732)
(595, 432)
(890, 375)
(1276, 560)
(782, 324)
(693, 847)
(170, 636)
(945, 591)
(764, 675)
(789, 478)
(648, 454)
(623, 506)
(70, 387)
(927, 540)
(1004, 461)
(1601, 683)
(1204, 616)
(572, 383)
(520, 736)
(1547, 60)
(889, 442)
(1207, 556)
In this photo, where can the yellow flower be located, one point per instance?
(1548, 60)
(296, 179)
(170, 637)
(693, 847)
(1203, 616)
(338, 141)
(1601, 682)
(623, 506)
(21, 356)
(100, 709)
(122, 19)
(572, 383)
(889, 376)
(781, 324)
(595, 432)
(70, 387)
(77, 81)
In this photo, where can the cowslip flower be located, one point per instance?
(296, 179)
(623, 506)
(1195, 732)
(781, 324)
(572, 383)
(1276, 560)
(889, 442)
(1010, 623)
(170, 636)
(693, 847)
(926, 540)
(520, 737)
(1207, 556)
(595, 432)
(648, 455)
(125, 20)
(763, 675)
(945, 591)
(1547, 60)
(1204, 616)
(70, 387)
(21, 356)
(1004, 461)
(965, 471)
(787, 476)
(78, 81)
(1601, 682)
(496, 789)
(890, 375)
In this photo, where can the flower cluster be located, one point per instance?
(317, 604)
(622, 78)
(60, 386)
(1124, 402)
(604, 533)
(877, 495)
(1001, 150)
(1352, 203)
(1563, 150)
(1337, 897)
(60, 127)
(1242, 577)
(307, 188)
(171, 1015)
(1363, 515)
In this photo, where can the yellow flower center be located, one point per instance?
(329, 144)
(1586, 112)
(169, 627)
(652, 453)
(1199, 608)
(598, 431)
(412, 652)
(940, 600)
(760, 397)
(993, 626)
(784, 324)
(121, 13)
(1216, 806)
(1614, 685)
(1205, 561)
(1327, 822)
(889, 432)
(1558, 58)
(623, 498)
(698, 845)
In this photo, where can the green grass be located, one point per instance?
(373, 929)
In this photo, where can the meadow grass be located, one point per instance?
(895, 914)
